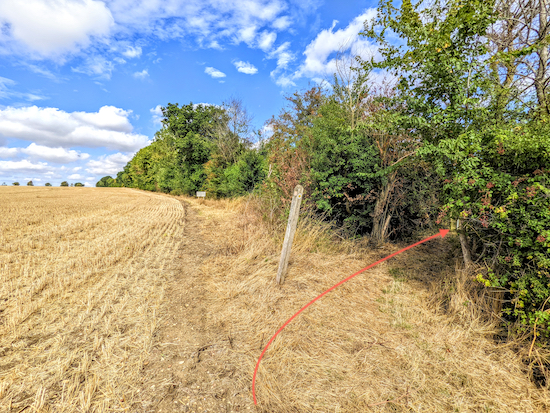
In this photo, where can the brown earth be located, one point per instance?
(185, 371)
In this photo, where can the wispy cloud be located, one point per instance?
(215, 73)
(132, 52)
(6, 91)
(144, 74)
(96, 65)
(283, 54)
(245, 67)
(266, 40)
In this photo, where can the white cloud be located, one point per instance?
(247, 34)
(57, 155)
(283, 55)
(282, 80)
(75, 176)
(141, 75)
(132, 52)
(108, 164)
(8, 152)
(23, 166)
(266, 132)
(109, 127)
(266, 40)
(48, 28)
(281, 23)
(215, 73)
(245, 67)
(108, 117)
(96, 66)
(329, 42)
(157, 114)
(215, 45)
(210, 21)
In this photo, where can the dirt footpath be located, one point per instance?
(184, 373)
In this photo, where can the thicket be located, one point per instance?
(460, 133)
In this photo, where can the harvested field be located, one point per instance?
(82, 273)
(121, 300)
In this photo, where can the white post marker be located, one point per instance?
(290, 230)
(201, 194)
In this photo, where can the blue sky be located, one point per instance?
(82, 81)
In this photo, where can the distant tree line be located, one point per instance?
(462, 137)
(199, 147)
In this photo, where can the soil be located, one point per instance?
(185, 371)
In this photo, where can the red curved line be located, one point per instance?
(442, 233)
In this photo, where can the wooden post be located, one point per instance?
(290, 230)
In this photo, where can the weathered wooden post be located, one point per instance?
(290, 230)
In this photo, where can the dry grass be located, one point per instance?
(377, 343)
(81, 285)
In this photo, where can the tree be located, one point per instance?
(519, 46)
(491, 154)
(291, 134)
(64, 183)
(48, 184)
(234, 167)
(232, 132)
(184, 144)
(106, 181)
(30, 183)
(15, 184)
(79, 184)
(4, 184)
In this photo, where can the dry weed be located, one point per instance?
(374, 344)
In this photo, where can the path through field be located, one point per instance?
(184, 371)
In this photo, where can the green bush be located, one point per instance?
(500, 188)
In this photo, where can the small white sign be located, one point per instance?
(201, 194)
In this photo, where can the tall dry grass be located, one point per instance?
(377, 343)
(81, 287)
